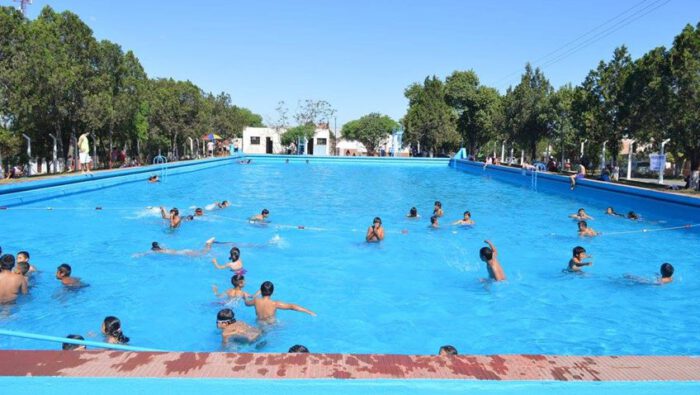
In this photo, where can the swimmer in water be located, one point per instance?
(434, 224)
(157, 249)
(11, 284)
(490, 256)
(112, 329)
(63, 273)
(447, 350)
(265, 307)
(413, 213)
(298, 348)
(152, 179)
(375, 233)
(580, 215)
(466, 220)
(23, 257)
(585, 231)
(666, 273)
(437, 210)
(633, 216)
(235, 330)
(262, 217)
(198, 212)
(222, 204)
(235, 262)
(576, 263)
(238, 282)
(611, 211)
(173, 216)
(71, 346)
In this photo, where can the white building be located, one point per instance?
(268, 141)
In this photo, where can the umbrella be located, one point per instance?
(211, 136)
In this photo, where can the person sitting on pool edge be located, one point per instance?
(576, 262)
(580, 215)
(466, 220)
(112, 329)
(238, 282)
(434, 224)
(413, 213)
(375, 233)
(71, 346)
(298, 348)
(11, 284)
(666, 273)
(585, 231)
(437, 210)
(173, 216)
(235, 330)
(581, 174)
(235, 262)
(262, 217)
(63, 273)
(490, 256)
(265, 307)
(447, 350)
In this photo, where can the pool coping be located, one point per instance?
(347, 366)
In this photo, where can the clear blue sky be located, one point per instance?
(360, 55)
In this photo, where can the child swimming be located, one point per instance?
(238, 282)
(576, 262)
(236, 330)
(585, 231)
(235, 262)
(580, 215)
(112, 329)
(63, 274)
(490, 256)
(375, 233)
(466, 220)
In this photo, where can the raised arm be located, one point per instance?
(291, 306)
(493, 247)
(163, 213)
(216, 264)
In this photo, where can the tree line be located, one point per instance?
(57, 80)
(650, 99)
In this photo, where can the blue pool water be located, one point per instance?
(409, 295)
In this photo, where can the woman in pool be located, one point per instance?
(413, 213)
(235, 262)
(611, 211)
(437, 210)
(112, 329)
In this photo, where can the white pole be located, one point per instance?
(583, 144)
(29, 153)
(55, 153)
(191, 147)
(511, 155)
(663, 161)
(602, 156)
(503, 151)
(629, 161)
(522, 156)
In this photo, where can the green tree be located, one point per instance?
(301, 132)
(476, 108)
(370, 130)
(429, 121)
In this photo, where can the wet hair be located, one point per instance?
(433, 219)
(113, 327)
(198, 210)
(437, 203)
(298, 348)
(7, 262)
(449, 350)
(578, 250)
(265, 211)
(190, 217)
(236, 279)
(25, 253)
(23, 267)
(377, 219)
(581, 210)
(666, 270)
(584, 223)
(486, 253)
(71, 346)
(468, 213)
(234, 254)
(632, 215)
(64, 269)
(225, 316)
(155, 246)
(175, 211)
(267, 288)
(224, 202)
(413, 212)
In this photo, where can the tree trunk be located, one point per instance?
(694, 156)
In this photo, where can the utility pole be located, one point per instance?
(23, 5)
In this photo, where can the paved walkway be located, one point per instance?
(346, 366)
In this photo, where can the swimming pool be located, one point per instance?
(411, 294)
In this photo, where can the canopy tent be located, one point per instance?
(211, 136)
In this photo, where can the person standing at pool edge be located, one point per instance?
(84, 148)
(490, 256)
(375, 233)
(265, 307)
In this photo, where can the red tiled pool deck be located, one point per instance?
(346, 366)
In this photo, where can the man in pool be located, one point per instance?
(63, 273)
(466, 220)
(157, 249)
(71, 346)
(413, 213)
(238, 282)
(11, 284)
(585, 231)
(198, 212)
(576, 263)
(375, 233)
(434, 224)
(666, 273)
(580, 215)
(490, 256)
(222, 204)
(633, 216)
(262, 217)
(23, 257)
(265, 307)
(235, 330)
(173, 216)
(437, 210)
